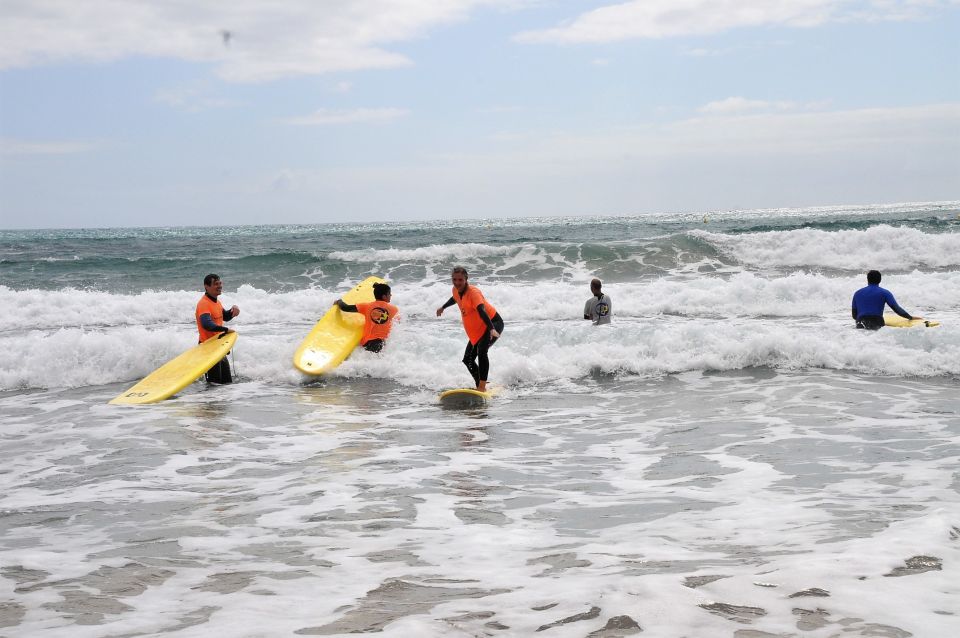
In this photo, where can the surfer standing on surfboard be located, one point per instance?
(378, 317)
(481, 321)
(210, 318)
(868, 304)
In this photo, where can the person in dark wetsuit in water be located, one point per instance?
(868, 304)
(481, 321)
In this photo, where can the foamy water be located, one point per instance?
(729, 458)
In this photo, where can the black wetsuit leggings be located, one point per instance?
(477, 352)
(870, 322)
(220, 373)
(374, 345)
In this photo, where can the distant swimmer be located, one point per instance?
(599, 308)
(210, 318)
(481, 321)
(378, 317)
(868, 304)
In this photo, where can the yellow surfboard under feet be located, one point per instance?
(896, 321)
(466, 397)
(179, 372)
(337, 333)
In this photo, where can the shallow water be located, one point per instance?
(748, 503)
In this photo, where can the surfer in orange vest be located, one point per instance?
(378, 317)
(210, 318)
(481, 321)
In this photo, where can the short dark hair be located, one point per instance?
(380, 291)
(595, 283)
(873, 277)
(461, 270)
(209, 279)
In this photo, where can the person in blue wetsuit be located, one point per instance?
(868, 304)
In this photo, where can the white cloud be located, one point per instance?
(502, 108)
(709, 162)
(351, 116)
(267, 40)
(717, 136)
(191, 98)
(25, 147)
(670, 18)
(738, 104)
(850, 131)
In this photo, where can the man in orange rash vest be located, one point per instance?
(210, 318)
(378, 317)
(481, 321)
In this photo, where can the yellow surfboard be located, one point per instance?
(896, 321)
(179, 372)
(337, 333)
(465, 397)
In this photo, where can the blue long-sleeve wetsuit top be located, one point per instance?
(870, 299)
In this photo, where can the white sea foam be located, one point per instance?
(427, 355)
(879, 247)
(297, 510)
(743, 294)
(423, 254)
(74, 338)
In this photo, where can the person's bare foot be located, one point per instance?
(482, 386)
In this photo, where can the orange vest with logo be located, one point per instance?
(207, 306)
(377, 318)
(473, 325)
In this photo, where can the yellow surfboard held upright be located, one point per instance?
(179, 372)
(337, 333)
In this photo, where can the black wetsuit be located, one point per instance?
(475, 356)
(220, 372)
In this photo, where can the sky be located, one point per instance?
(167, 112)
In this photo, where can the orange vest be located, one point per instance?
(472, 323)
(207, 306)
(377, 318)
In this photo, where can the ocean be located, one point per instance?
(728, 458)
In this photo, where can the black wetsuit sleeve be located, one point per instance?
(207, 322)
(449, 303)
(483, 315)
(227, 315)
(346, 307)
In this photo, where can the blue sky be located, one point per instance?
(143, 113)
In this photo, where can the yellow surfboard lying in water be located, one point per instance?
(337, 333)
(178, 373)
(465, 397)
(896, 321)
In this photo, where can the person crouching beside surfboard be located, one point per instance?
(481, 321)
(378, 317)
(868, 304)
(210, 318)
